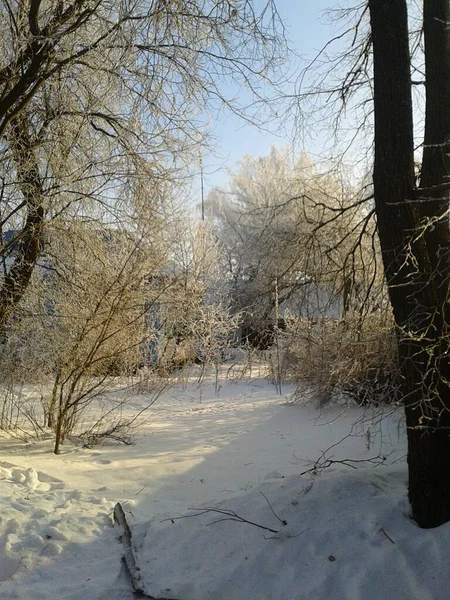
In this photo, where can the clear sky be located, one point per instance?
(307, 29)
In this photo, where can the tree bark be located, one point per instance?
(28, 245)
(414, 241)
(429, 443)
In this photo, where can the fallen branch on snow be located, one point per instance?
(229, 515)
(129, 556)
(321, 463)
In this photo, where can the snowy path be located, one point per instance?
(57, 541)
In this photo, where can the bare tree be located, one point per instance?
(196, 317)
(391, 55)
(99, 97)
(413, 225)
(84, 322)
(104, 303)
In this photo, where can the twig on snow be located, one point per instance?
(229, 515)
(348, 462)
(388, 537)
(282, 521)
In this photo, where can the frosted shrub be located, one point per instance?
(352, 357)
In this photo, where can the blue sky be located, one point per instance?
(308, 29)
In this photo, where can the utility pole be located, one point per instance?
(202, 187)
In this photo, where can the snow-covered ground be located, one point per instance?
(339, 533)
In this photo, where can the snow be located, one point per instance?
(348, 537)
(241, 454)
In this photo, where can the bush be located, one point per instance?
(352, 357)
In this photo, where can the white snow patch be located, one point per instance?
(347, 533)
(349, 538)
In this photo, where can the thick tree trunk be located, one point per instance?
(414, 242)
(429, 444)
(29, 241)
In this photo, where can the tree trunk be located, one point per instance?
(59, 433)
(28, 243)
(414, 242)
(429, 446)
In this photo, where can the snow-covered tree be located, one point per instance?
(100, 98)
(281, 242)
